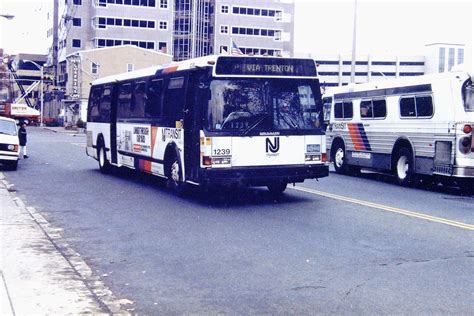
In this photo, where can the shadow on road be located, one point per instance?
(421, 183)
(215, 196)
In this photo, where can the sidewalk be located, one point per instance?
(39, 274)
(61, 129)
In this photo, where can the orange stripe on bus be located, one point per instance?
(356, 137)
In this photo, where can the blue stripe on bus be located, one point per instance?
(364, 137)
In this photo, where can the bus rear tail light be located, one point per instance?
(206, 161)
(467, 129)
(324, 157)
(465, 145)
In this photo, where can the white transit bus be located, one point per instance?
(225, 120)
(421, 125)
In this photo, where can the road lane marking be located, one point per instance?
(387, 208)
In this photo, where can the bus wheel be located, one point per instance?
(277, 188)
(339, 153)
(175, 176)
(104, 165)
(404, 167)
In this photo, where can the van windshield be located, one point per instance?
(468, 96)
(257, 105)
(7, 127)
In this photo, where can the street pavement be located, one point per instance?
(344, 245)
(40, 274)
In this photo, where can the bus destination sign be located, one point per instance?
(275, 67)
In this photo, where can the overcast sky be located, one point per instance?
(384, 26)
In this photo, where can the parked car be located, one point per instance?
(9, 147)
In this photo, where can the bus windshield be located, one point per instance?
(245, 105)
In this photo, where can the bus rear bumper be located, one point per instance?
(260, 176)
(463, 172)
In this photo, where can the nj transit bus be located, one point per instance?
(421, 125)
(224, 120)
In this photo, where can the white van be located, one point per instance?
(421, 125)
(9, 147)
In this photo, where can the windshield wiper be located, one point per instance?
(255, 124)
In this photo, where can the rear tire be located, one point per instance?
(104, 165)
(277, 188)
(175, 176)
(403, 167)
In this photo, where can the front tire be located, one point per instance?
(403, 169)
(104, 165)
(338, 158)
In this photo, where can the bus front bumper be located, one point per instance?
(261, 176)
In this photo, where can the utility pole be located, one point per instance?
(353, 61)
(55, 41)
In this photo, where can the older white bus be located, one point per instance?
(253, 121)
(420, 125)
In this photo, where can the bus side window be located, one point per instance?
(424, 106)
(348, 110)
(338, 113)
(153, 98)
(173, 98)
(105, 103)
(407, 107)
(137, 105)
(94, 102)
(366, 109)
(379, 108)
(123, 101)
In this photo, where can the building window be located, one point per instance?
(164, 4)
(76, 43)
(451, 59)
(223, 49)
(94, 69)
(162, 46)
(225, 9)
(442, 59)
(76, 22)
(163, 25)
(224, 29)
(460, 56)
(129, 67)
(77, 2)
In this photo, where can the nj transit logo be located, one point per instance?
(272, 147)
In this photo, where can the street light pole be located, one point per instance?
(41, 95)
(41, 69)
(354, 33)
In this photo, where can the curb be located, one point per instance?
(106, 300)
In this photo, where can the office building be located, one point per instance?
(335, 70)
(442, 57)
(182, 28)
